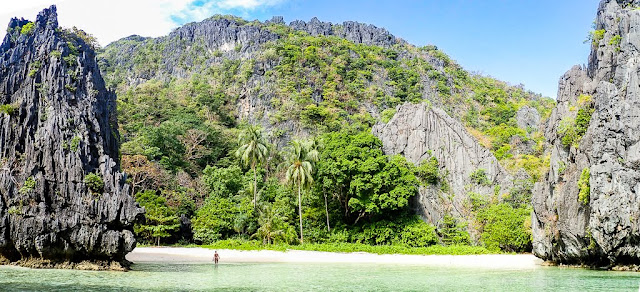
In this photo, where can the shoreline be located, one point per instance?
(204, 255)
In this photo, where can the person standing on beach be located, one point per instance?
(216, 257)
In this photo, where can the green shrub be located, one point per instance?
(506, 228)
(453, 232)
(571, 130)
(582, 120)
(562, 166)
(418, 234)
(615, 41)
(70, 59)
(337, 236)
(14, 210)
(56, 54)
(28, 186)
(568, 132)
(27, 28)
(408, 231)
(8, 109)
(351, 247)
(94, 183)
(429, 171)
(213, 220)
(502, 113)
(584, 186)
(478, 201)
(75, 144)
(387, 114)
(503, 152)
(479, 177)
(502, 134)
(595, 36)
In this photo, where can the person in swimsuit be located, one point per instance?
(216, 257)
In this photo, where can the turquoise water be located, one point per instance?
(314, 277)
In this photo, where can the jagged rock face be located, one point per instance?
(233, 40)
(181, 54)
(356, 32)
(60, 126)
(528, 118)
(604, 230)
(418, 131)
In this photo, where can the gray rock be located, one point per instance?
(528, 118)
(63, 126)
(606, 230)
(276, 20)
(356, 32)
(417, 132)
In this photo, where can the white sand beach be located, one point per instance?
(181, 254)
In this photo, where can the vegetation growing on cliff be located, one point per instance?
(584, 187)
(179, 136)
(572, 129)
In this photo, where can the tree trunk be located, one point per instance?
(359, 216)
(255, 186)
(326, 209)
(300, 209)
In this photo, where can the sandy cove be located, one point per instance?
(182, 254)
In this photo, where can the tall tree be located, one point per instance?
(253, 150)
(300, 160)
(160, 220)
(367, 183)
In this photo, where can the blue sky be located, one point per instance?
(532, 42)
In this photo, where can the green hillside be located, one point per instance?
(207, 115)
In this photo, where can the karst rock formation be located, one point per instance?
(587, 208)
(62, 196)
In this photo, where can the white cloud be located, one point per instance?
(114, 19)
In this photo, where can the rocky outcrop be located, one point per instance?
(62, 196)
(356, 32)
(185, 49)
(237, 45)
(528, 118)
(418, 131)
(586, 210)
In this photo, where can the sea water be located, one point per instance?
(314, 277)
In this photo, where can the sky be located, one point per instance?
(530, 42)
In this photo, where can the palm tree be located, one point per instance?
(300, 161)
(253, 150)
(268, 230)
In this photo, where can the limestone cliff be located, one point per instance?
(418, 131)
(62, 196)
(586, 209)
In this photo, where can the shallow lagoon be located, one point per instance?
(314, 277)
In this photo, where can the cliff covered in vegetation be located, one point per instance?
(183, 100)
(62, 195)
